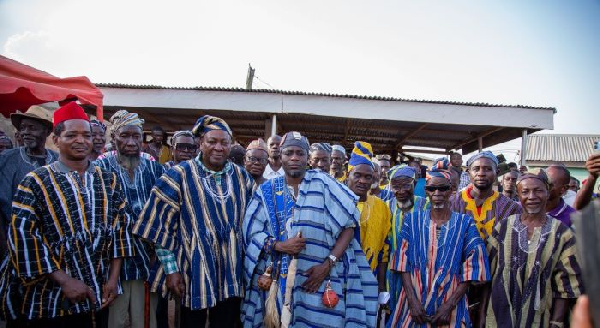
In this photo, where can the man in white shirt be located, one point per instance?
(274, 168)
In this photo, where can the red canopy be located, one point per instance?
(22, 86)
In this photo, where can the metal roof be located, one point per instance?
(389, 124)
(560, 147)
(303, 93)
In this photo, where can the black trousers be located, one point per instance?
(225, 314)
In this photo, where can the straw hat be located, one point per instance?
(37, 113)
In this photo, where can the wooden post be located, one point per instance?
(249, 77)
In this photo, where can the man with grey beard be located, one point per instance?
(441, 255)
(34, 127)
(402, 185)
(137, 176)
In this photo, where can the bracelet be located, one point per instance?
(557, 324)
(331, 264)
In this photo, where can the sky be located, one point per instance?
(535, 53)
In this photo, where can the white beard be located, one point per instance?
(405, 204)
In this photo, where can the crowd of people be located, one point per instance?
(282, 233)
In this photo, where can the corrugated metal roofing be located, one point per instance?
(560, 147)
(302, 93)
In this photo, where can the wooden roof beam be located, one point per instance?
(476, 137)
(410, 134)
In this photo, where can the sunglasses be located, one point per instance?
(186, 147)
(440, 188)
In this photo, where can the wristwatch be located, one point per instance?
(333, 258)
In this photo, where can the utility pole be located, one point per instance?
(249, 77)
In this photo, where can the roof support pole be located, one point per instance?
(480, 140)
(273, 125)
(524, 148)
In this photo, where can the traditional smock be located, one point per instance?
(438, 258)
(528, 275)
(393, 281)
(63, 220)
(137, 191)
(324, 208)
(495, 208)
(197, 214)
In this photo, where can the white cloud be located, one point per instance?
(19, 46)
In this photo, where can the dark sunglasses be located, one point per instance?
(186, 147)
(440, 188)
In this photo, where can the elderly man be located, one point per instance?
(195, 212)
(136, 176)
(34, 127)
(184, 148)
(274, 169)
(299, 235)
(509, 184)
(320, 156)
(157, 147)
(338, 159)
(556, 206)
(402, 186)
(70, 229)
(441, 254)
(98, 139)
(256, 160)
(533, 258)
(375, 216)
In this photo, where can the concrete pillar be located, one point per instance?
(524, 148)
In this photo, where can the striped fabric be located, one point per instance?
(14, 165)
(323, 210)
(465, 180)
(62, 220)
(527, 276)
(197, 214)
(438, 264)
(386, 194)
(393, 281)
(495, 208)
(137, 192)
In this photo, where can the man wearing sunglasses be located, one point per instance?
(441, 254)
(184, 148)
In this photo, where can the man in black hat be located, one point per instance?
(34, 127)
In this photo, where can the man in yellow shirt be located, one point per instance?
(375, 216)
